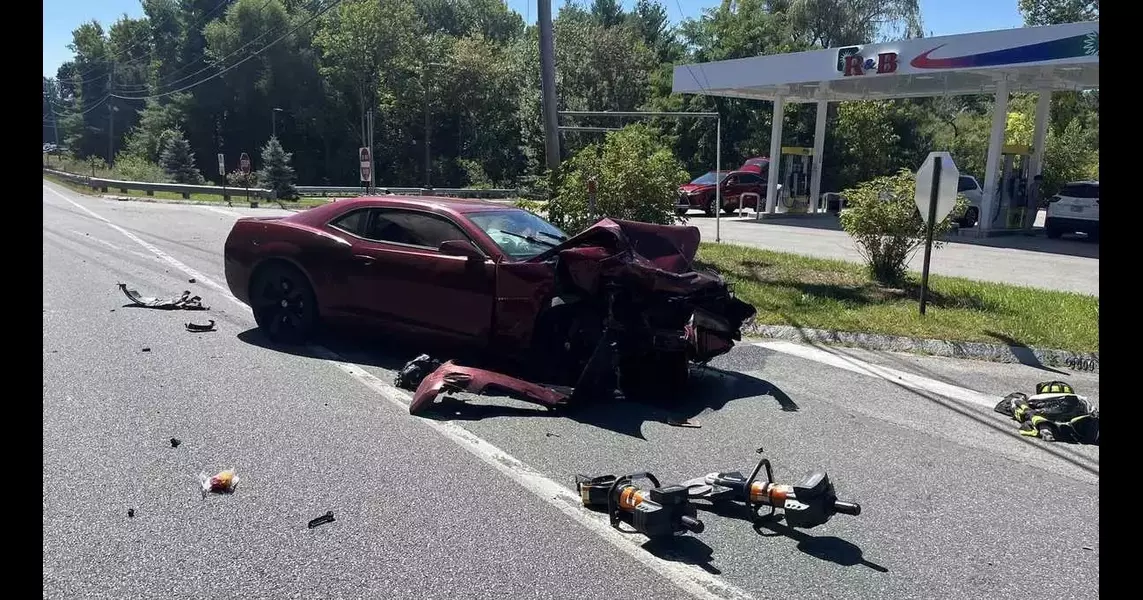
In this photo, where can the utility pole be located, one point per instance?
(548, 84)
(274, 121)
(110, 118)
(428, 129)
(372, 163)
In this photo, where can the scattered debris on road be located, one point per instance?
(183, 302)
(684, 423)
(191, 280)
(1054, 413)
(175, 442)
(130, 513)
(322, 520)
(550, 434)
(196, 328)
(146, 348)
(223, 483)
(451, 377)
(414, 372)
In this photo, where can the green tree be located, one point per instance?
(883, 220)
(1055, 12)
(177, 159)
(276, 172)
(636, 175)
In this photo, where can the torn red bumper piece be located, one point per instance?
(451, 377)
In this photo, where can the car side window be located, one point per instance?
(413, 228)
(355, 222)
(966, 184)
(750, 179)
(1080, 191)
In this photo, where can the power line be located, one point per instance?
(89, 109)
(221, 60)
(332, 4)
(198, 24)
(160, 83)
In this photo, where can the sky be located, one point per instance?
(940, 17)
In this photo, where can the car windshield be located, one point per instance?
(519, 233)
(707, 178)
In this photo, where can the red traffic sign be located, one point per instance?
(244, 163)
(365, 158)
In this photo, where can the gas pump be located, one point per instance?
(1012, 188)
(796, 168)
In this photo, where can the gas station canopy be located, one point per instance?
(1033, 59)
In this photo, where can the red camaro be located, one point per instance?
(490, 276)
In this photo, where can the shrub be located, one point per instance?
(883, 220)
(637, 178)
(237, 178)
(131, 167)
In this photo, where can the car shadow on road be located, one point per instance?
(710, 388)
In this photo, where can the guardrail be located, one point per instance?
(333, 190)
(105, 185)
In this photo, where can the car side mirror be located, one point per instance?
(461, 248)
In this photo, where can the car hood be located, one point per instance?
(651, 257)
(695, 187)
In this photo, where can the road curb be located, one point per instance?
(948, 348)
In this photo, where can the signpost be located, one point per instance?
(222, 174)
(591, 196)
(244, 164)
(366, 165)
(935, 197)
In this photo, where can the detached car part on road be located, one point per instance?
(621, 298)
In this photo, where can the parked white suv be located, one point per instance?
(1074, 209)
(970, 189)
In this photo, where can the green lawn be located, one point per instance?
(789, 289)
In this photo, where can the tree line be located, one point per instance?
(458, 81)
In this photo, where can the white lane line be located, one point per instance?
(856, 365)
(690, 578)
(221, 211)
(80, 234)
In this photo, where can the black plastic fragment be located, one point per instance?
(322, 520)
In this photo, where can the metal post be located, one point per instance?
(110, 118)
(819, 154)
(775, 165)
(428, 125)
(990, 200)
(372, 184)
(548, 83)
(933, 193)
(717, 181)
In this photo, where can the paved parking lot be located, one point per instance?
(1067, 264)
(478, 502)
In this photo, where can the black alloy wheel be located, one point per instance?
(284, 304)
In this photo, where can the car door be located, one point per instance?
(732, 189)
(401, 277)
(754, 188)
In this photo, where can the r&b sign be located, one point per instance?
(850, 62)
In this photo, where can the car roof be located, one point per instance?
(459, 205)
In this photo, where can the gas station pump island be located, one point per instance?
(1038, 60)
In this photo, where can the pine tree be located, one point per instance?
(177, 159)
(276, 171)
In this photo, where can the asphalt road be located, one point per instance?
(1070, 264)
(478, 502)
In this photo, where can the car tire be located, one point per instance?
(971, 216)
(283, 303)
(682, 212)
(1052, 231)
(708, 208)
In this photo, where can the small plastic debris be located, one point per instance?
(683, 423)
(191, 280)
(1087, 548)
(146, 348)
(223, 483)
(322, 520)
(196, 328)
(415, 371)
(550, 434)
(183, 302)
(175, 442)
(130, 513)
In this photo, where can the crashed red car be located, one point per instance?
(621, 297)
